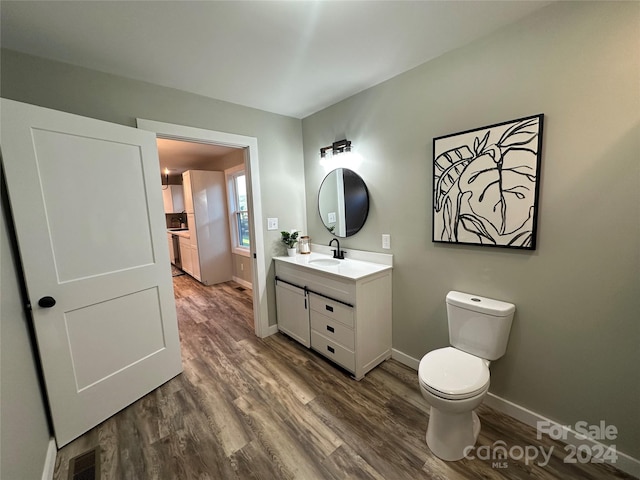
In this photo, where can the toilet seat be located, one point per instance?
(453, 374)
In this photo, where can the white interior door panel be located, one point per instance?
(88, 213)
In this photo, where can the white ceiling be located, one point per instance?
(178, 156)
(289, 57)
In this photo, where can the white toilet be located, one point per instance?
(454, 380)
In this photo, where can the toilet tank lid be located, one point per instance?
(479, 304)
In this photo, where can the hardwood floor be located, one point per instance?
(250, 408)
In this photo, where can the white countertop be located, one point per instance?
(348, 268)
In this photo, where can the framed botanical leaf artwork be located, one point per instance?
(485, 184)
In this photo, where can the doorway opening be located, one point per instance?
(249, 147)
(225, 224)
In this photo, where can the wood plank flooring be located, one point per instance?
(250, 408)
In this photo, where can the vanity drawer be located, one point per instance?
(333, 351)
(332, 309)
(333, 330)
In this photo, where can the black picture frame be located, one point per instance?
(486, 184)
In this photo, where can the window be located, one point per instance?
(238, 209)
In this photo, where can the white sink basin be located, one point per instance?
(350, 268)
(325, 262)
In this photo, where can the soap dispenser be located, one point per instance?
(305, 245)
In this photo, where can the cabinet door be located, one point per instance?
(193, 230)
(177, 197)
(185, 255)
(172, 198)
(167, 201)
(195, 263)
(172, 254)
(188, 196)
(293, 315)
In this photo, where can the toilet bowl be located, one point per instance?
(454, 380)
(454, 383)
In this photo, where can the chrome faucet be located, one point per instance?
(339, 254)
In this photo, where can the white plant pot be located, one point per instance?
(291, 252)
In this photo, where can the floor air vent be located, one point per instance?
(85, 466)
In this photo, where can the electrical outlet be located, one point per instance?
(386, 241)
(272, 224)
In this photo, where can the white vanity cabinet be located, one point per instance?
(346, 318)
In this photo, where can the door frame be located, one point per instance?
(250, 146)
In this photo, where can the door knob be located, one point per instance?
(47, 302)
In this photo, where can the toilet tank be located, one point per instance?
(478, 325)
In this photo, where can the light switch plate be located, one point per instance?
(272, 224)
(386, 241)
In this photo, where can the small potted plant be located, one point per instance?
(290, 239)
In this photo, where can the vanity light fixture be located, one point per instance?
(339, 154)
(335, 148)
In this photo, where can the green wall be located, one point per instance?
(574, 348)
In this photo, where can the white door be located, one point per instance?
(87, 207)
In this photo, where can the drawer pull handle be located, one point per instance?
(331, 349)
(329, 307)
(331, 329)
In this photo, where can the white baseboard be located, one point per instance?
(273, 329)
(242, 282)
(624, 462)
(405, 359)
(50, 461)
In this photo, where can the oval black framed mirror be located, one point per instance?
(343, 202)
